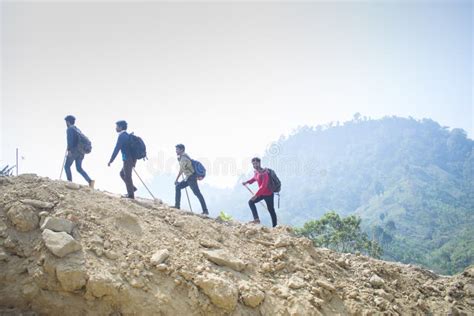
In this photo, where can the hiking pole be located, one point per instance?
(250, 190)
(62, 167)
(154, 198)
(187, 195)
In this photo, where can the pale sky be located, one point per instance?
(224, 79)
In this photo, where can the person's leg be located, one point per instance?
(253, 207)
(271, 208)
(67, 167)
(195, 188)
(181, 185)
(79, 169)
(127, 176)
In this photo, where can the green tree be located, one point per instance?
(340, 234)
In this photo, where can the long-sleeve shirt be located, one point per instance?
(122, 145)
(72, 138)
(263, 179)
(185, 166)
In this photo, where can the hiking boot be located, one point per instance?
(255, 221)
(92, 184)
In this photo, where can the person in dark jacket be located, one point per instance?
(128, 161)
(264, 192)
(73, 152)
(190, 179)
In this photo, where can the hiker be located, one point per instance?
(262, 176)
(190, 179)
(74, 153)
(128, 161)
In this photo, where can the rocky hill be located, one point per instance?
(66, 249)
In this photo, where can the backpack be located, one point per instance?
(137, 147)
(199, 169)
(274, 183)
(84, 145)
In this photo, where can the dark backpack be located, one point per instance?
(137, 147)
(199, 169)
(274, 183)
(84, 145)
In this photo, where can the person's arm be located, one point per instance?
(250, 181)
(177, 178)
(118, 146)
(71, 135)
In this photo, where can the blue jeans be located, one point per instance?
(192, 183)
(75, 157)
(271, 209)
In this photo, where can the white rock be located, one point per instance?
(160, 256)
(295, 283)
(38, 204)
(61, 244)
(376, 281)
(58, 225)
(223, 258)
(73, 186)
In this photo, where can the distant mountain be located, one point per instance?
(411, 181)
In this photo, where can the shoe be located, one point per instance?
(205, 213)
(176, 207)
(126, 196)
(92, 184)
(255, 221)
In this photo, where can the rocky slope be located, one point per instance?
(65, 248)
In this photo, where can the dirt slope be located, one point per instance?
(66, 249)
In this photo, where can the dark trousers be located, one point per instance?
(78, 158)
(192, 183)
(271, 209)
(126, 175)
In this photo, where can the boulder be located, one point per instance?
(159, 257)
(250, 294)
(376, 281)
(58, 225)
(221, 292)
(223, 258)
(72, 276)
(60, 244)
(295, 283)
(38, 204)
(23, 217)
(102, 284)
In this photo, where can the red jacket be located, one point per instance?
(263, 179)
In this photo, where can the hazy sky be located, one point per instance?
(224, 79)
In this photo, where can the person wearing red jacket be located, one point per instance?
(264, 192)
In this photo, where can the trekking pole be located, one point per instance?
(154, 198)
(62, 167)
(250, 190)
(187, 195)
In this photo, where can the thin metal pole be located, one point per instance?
(144, 184)
(62, 167)
(17, 162)
(254, 194)
(187, 195)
